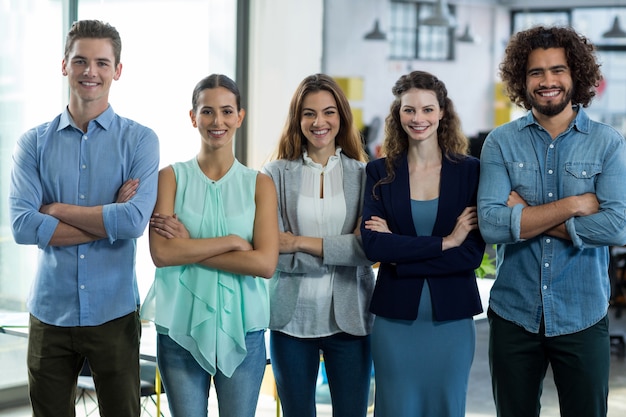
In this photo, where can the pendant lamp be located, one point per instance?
(375, 34)
(440, 16)
(615, 31)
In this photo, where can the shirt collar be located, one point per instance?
(104, 119)
(581, 122)
(331, 161)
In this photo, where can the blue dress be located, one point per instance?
(423, 365)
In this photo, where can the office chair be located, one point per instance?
(87, 389)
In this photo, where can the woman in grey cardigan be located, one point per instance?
(320, 294)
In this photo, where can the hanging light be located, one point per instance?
(440, 16)
(615, 31)
(376, 34)
(466, 36)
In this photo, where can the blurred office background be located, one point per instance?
(268, 46)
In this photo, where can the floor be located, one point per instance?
(479, 400)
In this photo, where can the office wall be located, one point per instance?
(470, 78)
(285, 47)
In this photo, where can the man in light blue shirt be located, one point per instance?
(82, 189)
(552, 196)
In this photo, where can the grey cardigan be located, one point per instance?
(354, 278)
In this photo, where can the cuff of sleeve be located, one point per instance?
(516, 222)
(46, 230)
(109, 218)
(571, 229)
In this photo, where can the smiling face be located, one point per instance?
(90, 68)
(216, 117)
(320, 122)
(549, 85)
(420, 114)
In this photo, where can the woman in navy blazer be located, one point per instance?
(419, 222)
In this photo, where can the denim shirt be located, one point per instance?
(91, 283)
(564, 282)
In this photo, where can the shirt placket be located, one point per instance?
(82, 199)
(550, 180)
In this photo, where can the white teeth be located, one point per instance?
(217, 132)
(89, 84)
(551, 94)
(320, 132)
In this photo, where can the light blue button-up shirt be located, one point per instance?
(565, 282)
(91, 283)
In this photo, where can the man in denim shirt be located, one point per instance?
(82, 189)
(552, 196)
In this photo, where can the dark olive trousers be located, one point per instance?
(56, 356)
(519, 360)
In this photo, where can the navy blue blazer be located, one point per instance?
(406, 260)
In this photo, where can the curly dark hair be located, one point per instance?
(292, 139)
(579, 52)
(453, 143)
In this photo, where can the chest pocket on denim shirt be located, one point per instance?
(525, 179)
(580, 177)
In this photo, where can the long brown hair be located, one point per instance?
(453, 143)
(292, 139)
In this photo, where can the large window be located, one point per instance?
(411, 40)
(167, 47)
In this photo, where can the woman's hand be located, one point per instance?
(465, 223)
(168, 226)
(377, 224)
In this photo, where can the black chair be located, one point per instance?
(87, 389)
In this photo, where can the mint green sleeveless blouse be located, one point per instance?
(205, 310)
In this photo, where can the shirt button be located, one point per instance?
(545, 287)
(82, 287)
(551, 146)
(82, 196)
(584, 173)
(548, 240)
(82, 256)
(550, 194)
(550, 171)
(84, 166)
(546, 265)
(85, 137)
(521, 165)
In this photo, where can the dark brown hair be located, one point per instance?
(579, 52)
(94, 29)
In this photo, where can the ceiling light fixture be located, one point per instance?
(440, 17)
(615, 31)
(467, 36)
(376, 34)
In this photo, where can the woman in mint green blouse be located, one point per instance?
(213, 232)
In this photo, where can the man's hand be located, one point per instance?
(127, 190)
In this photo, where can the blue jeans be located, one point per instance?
(187, 384)
(348, 363)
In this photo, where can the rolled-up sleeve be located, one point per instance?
(608, 226)
(129, 220)
(498, 223)
(28, 225)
